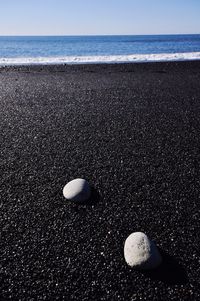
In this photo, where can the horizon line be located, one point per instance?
(87, 35)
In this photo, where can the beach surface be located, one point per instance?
(132, 131)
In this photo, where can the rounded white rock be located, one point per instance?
(77, 190)
(140, 252)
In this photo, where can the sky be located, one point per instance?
(99, 17)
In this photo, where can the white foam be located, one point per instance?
(101, 59)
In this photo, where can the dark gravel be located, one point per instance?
(131, 130)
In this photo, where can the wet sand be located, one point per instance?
(131, 130)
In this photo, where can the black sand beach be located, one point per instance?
(131, 130)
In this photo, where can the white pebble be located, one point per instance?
(77, 190)
(140, 252)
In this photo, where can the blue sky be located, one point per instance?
(82, 17)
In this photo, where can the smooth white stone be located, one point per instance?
(140, 252)
(77, 190)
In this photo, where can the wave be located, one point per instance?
(160, 57)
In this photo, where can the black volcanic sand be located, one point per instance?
(131, 130)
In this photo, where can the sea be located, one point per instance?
(19, 50)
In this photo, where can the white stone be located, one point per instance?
(140, 252)
(77, 190)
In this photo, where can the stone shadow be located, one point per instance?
(169, 272)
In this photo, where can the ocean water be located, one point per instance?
(89, 49)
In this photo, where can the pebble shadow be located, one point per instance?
(93, 200)
(169, 272)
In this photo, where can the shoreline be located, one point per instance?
(132, 131)
(143, 66)
(108, 59)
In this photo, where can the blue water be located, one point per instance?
(64, 46)
(11, 47)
